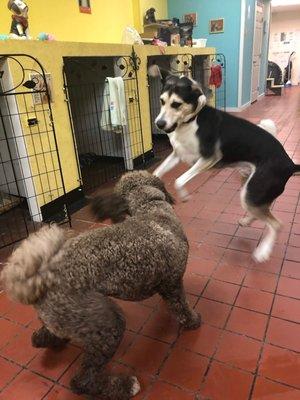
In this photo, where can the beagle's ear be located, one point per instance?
(155, 71)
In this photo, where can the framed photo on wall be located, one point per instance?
(191, 18)
(216, 25)
(85, 6)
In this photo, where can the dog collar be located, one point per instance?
(191, 119)
(194, 116)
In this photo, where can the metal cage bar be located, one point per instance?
(31, 179)
(104, 151)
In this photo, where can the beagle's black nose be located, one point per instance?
(161, 124)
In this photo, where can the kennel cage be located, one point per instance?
(198, 67)
(104, 150)
(31, 178)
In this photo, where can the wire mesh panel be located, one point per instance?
(105, 144)
(210, 72)
(30, 171)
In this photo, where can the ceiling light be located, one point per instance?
(280, 3)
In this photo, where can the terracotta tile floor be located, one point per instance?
(249, 344)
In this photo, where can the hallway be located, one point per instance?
(249, 344)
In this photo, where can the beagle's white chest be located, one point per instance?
(185, 143)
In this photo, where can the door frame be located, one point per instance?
(253, 47)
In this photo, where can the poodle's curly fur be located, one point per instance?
(69, 280)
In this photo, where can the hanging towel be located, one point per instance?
(117, 104)
(216, 76)
(105, 121)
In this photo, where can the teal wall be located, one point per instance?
(227, 43)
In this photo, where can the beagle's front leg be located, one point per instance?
(201, 165)
(170, 162)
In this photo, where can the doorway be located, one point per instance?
(257, 50)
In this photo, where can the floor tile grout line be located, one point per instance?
(223, 329)
(13, 378)
(279, 382)
(245, 267)
(269, 317)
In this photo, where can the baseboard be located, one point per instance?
(140, 160)
(238, 109)
(261, 96)
(56, 209)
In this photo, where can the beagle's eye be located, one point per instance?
(176, 104)
(162, 102)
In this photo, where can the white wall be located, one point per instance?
(286, 21)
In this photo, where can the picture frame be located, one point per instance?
(175, 39)
(39, 94)
(85, 6)
(216, 25)
(191, 17)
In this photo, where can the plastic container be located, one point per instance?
(199, 42)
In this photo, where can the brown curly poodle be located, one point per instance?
(69, 280)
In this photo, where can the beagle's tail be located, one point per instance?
(296, 169)
(28, 274)
(269, 126)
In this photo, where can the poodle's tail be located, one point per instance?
(27, 274)
(269, 126)
(112, 205)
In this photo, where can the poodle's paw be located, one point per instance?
(194, 322)
(79, 384)
(136, 387)
(43, 338)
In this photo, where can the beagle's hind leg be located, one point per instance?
(256, 197)
(264, 249)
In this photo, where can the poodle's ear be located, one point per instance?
(151, 193)
(161, 186)
(110, 205)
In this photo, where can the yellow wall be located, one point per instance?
(51, 54)
(63, 19)
(66, 23)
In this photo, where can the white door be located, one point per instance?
(257, 46)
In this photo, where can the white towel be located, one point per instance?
(117, 105)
